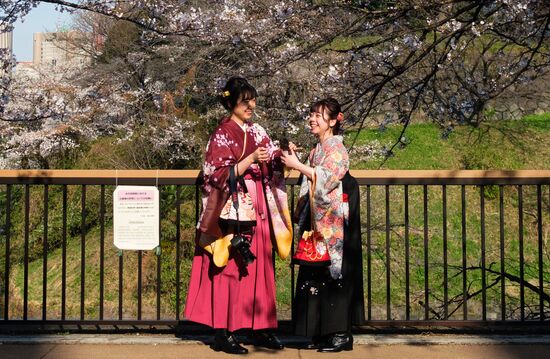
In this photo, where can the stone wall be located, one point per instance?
(524, 99)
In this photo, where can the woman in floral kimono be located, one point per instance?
(329, 299)
(229, 290)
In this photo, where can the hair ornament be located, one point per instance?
(340, 117)
(226, 94)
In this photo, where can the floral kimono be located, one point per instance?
(331, 300)
(224, 293)
(331, 162)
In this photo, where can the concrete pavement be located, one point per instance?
(114, 346)
(169, 351)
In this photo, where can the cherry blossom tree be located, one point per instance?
(387, 61)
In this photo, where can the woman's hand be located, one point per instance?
(293, 147)
(260, 155)
(290, 159)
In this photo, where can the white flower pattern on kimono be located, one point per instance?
(221, 154)
(258, 132)
(222, 140)
(208, 168)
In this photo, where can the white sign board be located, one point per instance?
(136, 217)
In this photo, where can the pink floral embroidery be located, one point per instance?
(223, 150)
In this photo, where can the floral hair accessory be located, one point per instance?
(340, 117)
(226, 94)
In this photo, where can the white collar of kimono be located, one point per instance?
(244, 126)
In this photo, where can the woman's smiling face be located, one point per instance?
(319, 122)
(244, 110)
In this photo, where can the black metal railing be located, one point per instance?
(472, 302)
(440, 248)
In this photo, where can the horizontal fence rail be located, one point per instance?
(450, 248)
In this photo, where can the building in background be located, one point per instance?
(6, 44)
(6, 40)
(62, 48)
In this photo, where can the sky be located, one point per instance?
(43, 18)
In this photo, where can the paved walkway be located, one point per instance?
(135, 346)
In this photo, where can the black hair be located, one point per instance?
(332, 107)
(236, 88)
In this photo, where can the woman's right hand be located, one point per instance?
(290, 159)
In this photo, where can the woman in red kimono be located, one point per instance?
(228, 290)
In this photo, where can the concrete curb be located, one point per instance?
(362, 339)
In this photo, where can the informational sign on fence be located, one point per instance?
(136, 217)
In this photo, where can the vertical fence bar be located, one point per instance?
(464, 274)
(83, 253)
(521, 257)
(26, 259)
(64, 256)
(445, 271)
(369, 267)
(540, 248)
(502, 253)
(140, 257)
(407, 262)
(120, 281)
(388, 256)
(426, 269)
(483, 275)
(159, 261)
(45, 256)
(101, 250)
(178, 244)
(197, 202)
(7, 229)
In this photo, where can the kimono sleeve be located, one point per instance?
(330, 171)
(220, 156)
(275, 164)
